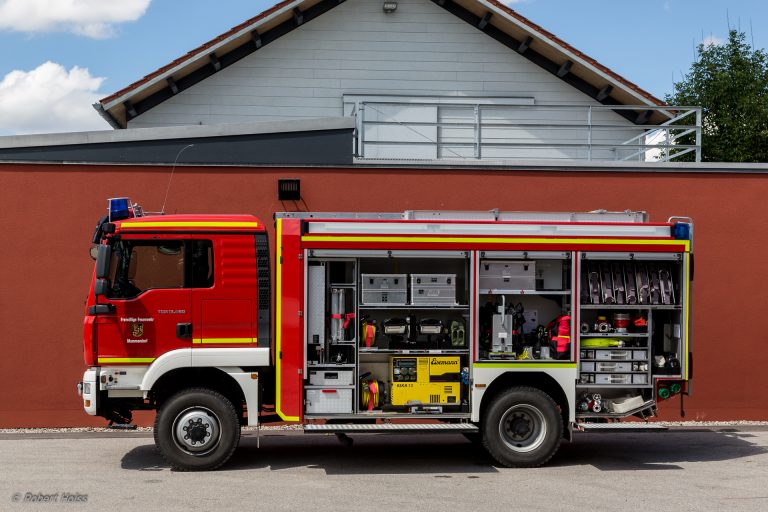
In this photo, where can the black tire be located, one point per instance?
(522, 427)
(197, 429)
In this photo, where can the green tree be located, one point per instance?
(730, 82)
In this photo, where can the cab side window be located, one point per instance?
(138, 266)
(201, 263)
(141, 265)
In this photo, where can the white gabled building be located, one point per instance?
(431, 79)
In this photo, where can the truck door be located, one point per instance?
(151, 305)
(223, 280)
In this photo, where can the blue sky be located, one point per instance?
(95, 47)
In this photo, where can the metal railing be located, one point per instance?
(444, 130)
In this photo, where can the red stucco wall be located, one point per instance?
(49, 212)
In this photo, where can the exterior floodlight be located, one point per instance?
(390, 7)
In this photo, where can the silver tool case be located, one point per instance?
(507, 275)
(384, 289)
(433, 289)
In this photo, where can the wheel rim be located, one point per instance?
(197, 431)
(523, 428)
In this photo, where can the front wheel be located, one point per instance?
(522, 427)
(197, 430)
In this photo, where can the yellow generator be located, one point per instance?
(425, 380)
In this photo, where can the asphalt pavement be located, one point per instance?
(700, 469)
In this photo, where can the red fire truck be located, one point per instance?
(514, 329)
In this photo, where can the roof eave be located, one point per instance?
(546, 39)
(111, 102)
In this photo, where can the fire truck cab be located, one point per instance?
(510, 328)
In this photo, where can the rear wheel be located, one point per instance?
(522, 427)
(197, 429)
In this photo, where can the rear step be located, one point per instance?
(621, 427)
(352, 428)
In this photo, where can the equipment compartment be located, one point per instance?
(631, 330)
(331, 312)
(413, 383)
(372, 307)
(525, 307)
(643, 283)
(667, 344)
(329, 400)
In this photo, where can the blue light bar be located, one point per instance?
(119, 208)
(681, 231)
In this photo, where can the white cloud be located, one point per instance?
(49, 99)
(712, 40)
(90, 18)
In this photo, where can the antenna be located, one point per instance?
(168, 188)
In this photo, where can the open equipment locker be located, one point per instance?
(386, 356)
(653, 345)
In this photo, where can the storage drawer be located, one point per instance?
(613, 378)
(507, 275)
(605, 367)
(613, 355)
(618, 379)
(329, 401)
(330, 377)
(618, 355)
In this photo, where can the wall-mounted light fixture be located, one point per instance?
(389, 7)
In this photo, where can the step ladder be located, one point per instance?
(620, 427)
(373, 428)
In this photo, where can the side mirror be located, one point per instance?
(103, 258)
(101, 287)
(101, 309)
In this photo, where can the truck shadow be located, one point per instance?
(447, 455)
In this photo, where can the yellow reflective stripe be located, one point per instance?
(221, 341)
(278, 320)
(117, 360)
(524, 364)
(190, 224)
(489, 240)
